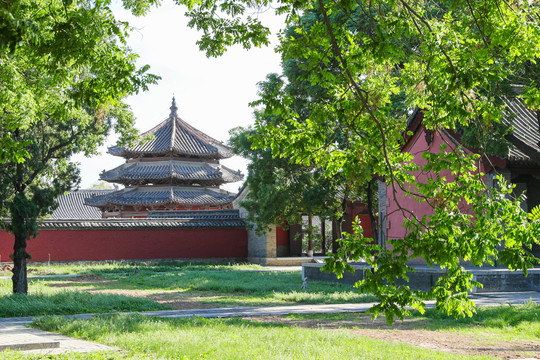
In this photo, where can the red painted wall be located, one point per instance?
(118, 244)
(282, 236)
(365, 221)
(417, 145)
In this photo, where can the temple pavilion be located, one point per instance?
(172, 167)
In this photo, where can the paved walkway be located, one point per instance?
(19, 337)
(14, 335)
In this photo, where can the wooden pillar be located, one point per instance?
(295, 239)
(310, 233)
(323, 236)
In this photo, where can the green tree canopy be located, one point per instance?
(64, 70)
(60, 57)
(279, 189)
(454, 60)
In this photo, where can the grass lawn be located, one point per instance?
(45, 300)
(506, 323)
(503, 332)
(508, 332)
(115, 286)
(178, 284)
(197, 338)
(249, 287)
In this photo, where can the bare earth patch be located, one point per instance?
(408, 332)
(177, 300)
(6, 267)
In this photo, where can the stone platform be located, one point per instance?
(281, 261)
(15, 337)
(494, 279)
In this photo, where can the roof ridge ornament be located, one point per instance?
(174, 109)
(173, 116)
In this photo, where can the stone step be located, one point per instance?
(20, 338)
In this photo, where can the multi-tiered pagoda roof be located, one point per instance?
(172, 167)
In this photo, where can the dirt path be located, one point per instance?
(410, 331)
(178, 300)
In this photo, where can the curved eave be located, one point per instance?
(93, 224)
(162, 197)
(174, 181)
(130, 154)
(164, 203)
(171, 172)
(173, 137)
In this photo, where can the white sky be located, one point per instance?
(211, 94)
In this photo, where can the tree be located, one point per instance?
(29, 188)
(101, 185)
(282, 191)
(452, 59)
(64, 70)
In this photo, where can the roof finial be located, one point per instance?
(173, 109)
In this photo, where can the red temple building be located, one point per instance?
(172, 167)
(171, 206)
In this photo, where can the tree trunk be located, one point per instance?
(22, 226)
(20, 281)
(337, 226)
(336, 230)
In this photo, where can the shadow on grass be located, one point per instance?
(72, 302)
(490, 316)
(274, 287)
(524, 319)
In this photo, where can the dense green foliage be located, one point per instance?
(378, 60)
(64, 70)
(281, 190)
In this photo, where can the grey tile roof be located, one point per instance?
(525, 137)
(179, 172)
(177, 223)
(163, 195)
(71, 205)
(174, 136)
(228, 218)
(197, 214)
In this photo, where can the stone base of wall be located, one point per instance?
(137, 262)
(493, 279)
(280, 261)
